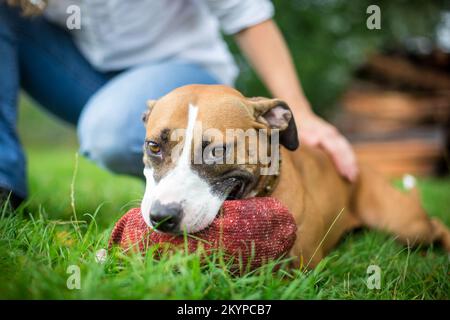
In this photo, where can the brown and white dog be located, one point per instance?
(182, 194)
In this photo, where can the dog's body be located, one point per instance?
(324, 205)
(330, 206)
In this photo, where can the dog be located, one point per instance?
(183, 195)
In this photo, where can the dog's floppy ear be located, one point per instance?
(277, 115)
(150, 104)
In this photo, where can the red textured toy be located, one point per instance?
(255, 230)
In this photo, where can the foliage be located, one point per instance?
(329, 39)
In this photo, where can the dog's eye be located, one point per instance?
(153, 147)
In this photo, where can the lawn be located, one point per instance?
(74, 204)
(39, 243)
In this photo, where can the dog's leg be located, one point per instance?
(307, 250)
(380, 206)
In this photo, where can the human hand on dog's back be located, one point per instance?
(265, 47)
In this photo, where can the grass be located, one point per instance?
(68, 218)
(39, 243)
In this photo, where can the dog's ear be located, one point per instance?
(276, 114)
(145, 115)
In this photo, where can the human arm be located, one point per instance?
(264, 46)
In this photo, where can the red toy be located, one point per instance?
(255, 230)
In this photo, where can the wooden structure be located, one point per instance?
(396, 113)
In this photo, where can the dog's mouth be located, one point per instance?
(234, 184)
(237, 191)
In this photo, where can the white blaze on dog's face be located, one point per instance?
(182, 194)
(183, 186)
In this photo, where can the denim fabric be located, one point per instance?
(110, 130)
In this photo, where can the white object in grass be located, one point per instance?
(409, 181)
(100, 256)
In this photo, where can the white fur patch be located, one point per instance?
(184, 186)
(146, 203)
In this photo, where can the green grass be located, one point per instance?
(37, 244)
(40, 242)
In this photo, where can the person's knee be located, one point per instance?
(110, 129)
(109, 146)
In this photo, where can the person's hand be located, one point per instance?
(314, 131)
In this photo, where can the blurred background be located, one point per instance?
(388, 90)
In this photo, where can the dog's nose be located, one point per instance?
(165, 217)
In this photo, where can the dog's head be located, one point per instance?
(205, 144)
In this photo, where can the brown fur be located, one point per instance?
(325, 206)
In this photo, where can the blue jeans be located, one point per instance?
(42, 59)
